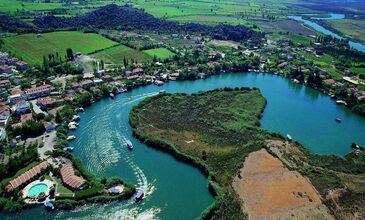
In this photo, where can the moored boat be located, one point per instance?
(339, 120)
(288, 136)
(48, 205)
(71, 138)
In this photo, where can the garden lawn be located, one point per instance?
(116, 55)
(160, 53)
(32, 48)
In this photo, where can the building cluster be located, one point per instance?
(10, 65)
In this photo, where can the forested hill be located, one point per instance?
(9, 24)
(130, 18)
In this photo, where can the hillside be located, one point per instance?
(130, 18)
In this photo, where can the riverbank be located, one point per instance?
(157, 122)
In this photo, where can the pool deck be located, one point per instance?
(26, 196)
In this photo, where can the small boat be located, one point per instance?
(341, 102)
(111, 95)
(129, 145)
(339, 120)
(49, 206)
(68, 149)
(81, 109)
(162, 91)
(288, 136)
(71, 138)
(139, 196)
(75, 118)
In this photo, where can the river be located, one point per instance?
(321, 29)
(176, 190)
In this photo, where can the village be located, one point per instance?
(38, 113)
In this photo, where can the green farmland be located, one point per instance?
(116, 55)
(32, 48)
(160, 53)
(13, 5)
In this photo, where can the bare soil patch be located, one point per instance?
(269, 190)
(290, 26)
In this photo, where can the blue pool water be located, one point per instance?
(37, 189)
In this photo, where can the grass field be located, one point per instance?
(211, 19)
(352, 28)
(160, 53)
(31, 48)
(116, 55)
(14, 5)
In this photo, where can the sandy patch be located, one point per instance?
(271, 191)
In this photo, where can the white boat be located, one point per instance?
(341, 102)
(70, 138)
(288, 136)
(75, 118)
(111, 95)
(129, 145)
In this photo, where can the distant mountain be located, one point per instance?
(9, 24)
(130, 18)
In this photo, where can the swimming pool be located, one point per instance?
(37, 189)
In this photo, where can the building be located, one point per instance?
(4, 83)
(22, 107)
(45, 103)
(6, 69)
(69, 177)
(40, 91)
(27, 176)
(22, 66)
(4, 119)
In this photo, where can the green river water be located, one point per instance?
(175, 190)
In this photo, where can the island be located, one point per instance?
(219, 132)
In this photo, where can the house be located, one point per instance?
(39, 91)
(45, 103)
(6, 69)
(26, 117)
(12, 99)
(87, 83)
(11, 61)
(329, 82)
(2, 133)
(21, 107)
(282, 65)
(4, 119)
(4, 83)
(137, 71)
(22, 66)
(133, 77)
(69, 177)
(54, 111)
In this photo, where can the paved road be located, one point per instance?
(48, 144)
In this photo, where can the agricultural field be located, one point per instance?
(10, 6)
(211, 19)
(326, 62)
(32, 48)
(115, 55)
(160, 53)
(348, 27)
(290, 26)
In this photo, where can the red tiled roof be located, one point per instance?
(25, 177)
(39, 89)
(69, 177)
(26, 117)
